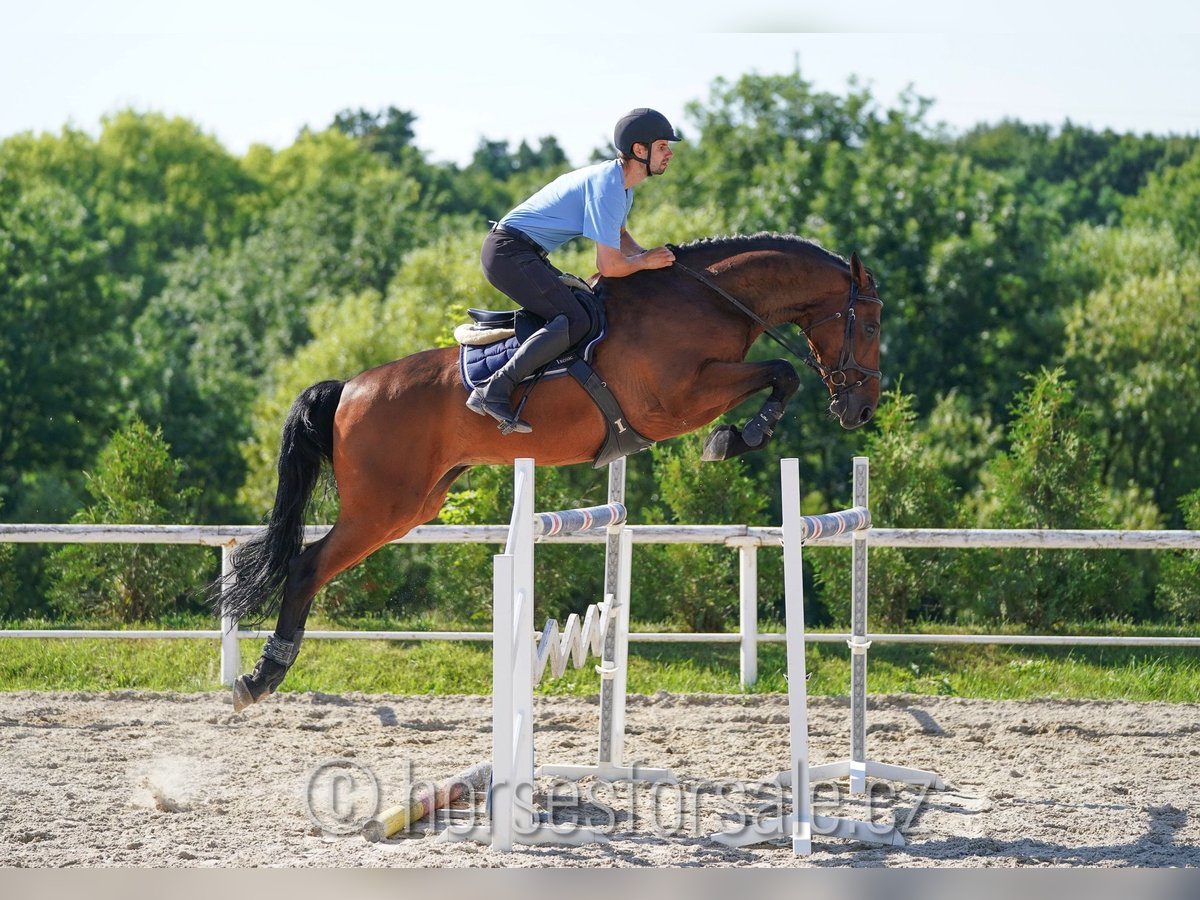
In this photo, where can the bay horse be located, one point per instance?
(400, 434)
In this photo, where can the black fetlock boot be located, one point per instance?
(494, 397)
(277, 657)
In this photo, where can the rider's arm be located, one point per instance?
(629, 246)
(614, 263)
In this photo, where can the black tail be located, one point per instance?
(261, 566)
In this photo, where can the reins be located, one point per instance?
(846, 360)
(770, 330)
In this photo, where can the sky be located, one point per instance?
(258, 71)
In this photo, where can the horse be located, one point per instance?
(398, 435)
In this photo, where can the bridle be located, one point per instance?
(835, 379)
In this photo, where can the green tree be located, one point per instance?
(909, 488)
(694, 587)
(388, 133)
(1178, 592)
(207, 342)
(135, 481)
(1172, 197)
(1133, 347)
(57, 345)
(1049, 478)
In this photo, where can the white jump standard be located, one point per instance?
(801, 824)
(518, 665)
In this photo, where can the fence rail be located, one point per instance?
(730, 535)
(745, 539)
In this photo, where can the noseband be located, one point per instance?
(834, 378)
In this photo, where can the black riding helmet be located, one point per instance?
(642, 126)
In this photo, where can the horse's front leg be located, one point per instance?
(739, 381)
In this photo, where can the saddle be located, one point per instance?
(494, 335)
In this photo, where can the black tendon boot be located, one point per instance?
(494, 396)
(277, 657)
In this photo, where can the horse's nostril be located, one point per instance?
(866, 414)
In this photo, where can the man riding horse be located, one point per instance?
(591, 202)
(674, 360)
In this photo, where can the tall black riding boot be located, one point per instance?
(494, 397)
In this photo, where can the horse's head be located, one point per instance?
(844, 336)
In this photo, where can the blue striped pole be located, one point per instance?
(835, 523)
(573, 521)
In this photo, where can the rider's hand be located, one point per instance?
(658, 258)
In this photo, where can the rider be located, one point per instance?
(592, 202)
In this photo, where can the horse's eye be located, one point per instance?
(870, 329)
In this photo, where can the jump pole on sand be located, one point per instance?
(473, 781)
(802, 823)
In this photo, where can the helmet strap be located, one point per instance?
(646, 161)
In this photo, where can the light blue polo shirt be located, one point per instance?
(592, 202)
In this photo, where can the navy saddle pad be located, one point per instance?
(476, 364)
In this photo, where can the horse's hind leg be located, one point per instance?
(320, 562)
(351, 540)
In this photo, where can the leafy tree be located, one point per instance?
(909, 488)
(1133, 347)
(1172, 197)
(1049, 478)
(1179, 590)
(135, 481)
(206, 343)
(1085, 174)
(388, 133)
(695, 587)
(57, 344)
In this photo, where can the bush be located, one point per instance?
(134, 482)
(1179, 588)
(909, 488)
(693, 587)
(1049, 478)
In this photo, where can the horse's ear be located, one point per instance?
(859, 272)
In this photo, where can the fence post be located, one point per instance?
(612, 710)
(858, 639)
(748, 596)
(231, 654)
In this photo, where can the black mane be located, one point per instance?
(763, 240)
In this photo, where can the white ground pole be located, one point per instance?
(801, 824)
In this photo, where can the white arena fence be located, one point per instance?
(746, 540)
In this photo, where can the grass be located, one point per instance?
(443, 667)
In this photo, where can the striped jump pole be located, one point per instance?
(858, 768)
(613, 625)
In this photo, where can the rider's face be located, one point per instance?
(660, 156)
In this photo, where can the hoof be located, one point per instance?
(250, 689)
(725, 442)
(241, 695)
